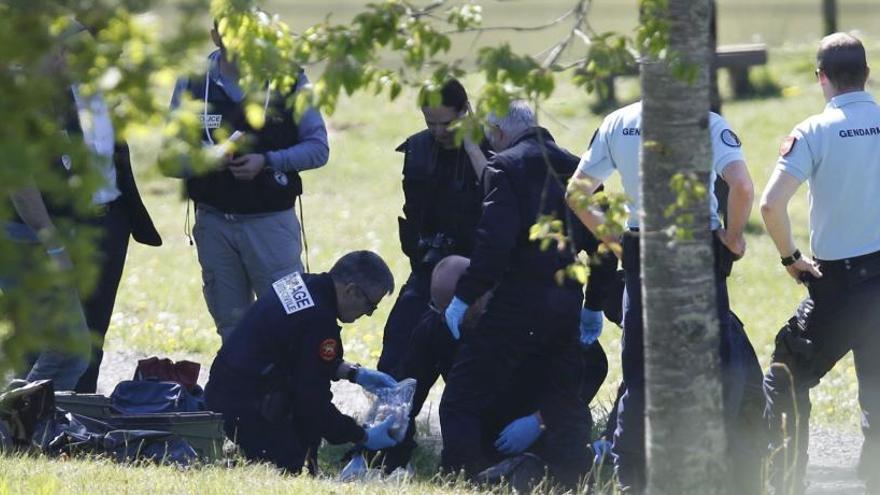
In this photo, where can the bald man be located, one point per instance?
(561, 441)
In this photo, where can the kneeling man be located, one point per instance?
(271, 378)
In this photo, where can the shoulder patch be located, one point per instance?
(293, 293)
(787, 146)
(730, 138)
(327, 349)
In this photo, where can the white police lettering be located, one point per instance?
(293, 293)
(868, 131)
(211, 120)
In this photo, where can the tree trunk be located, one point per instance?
(714, 94)
(829, 16)
(685, 431)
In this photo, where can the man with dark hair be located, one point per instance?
(271, 378)
(838, 153)
(246, 230)
(441, 208)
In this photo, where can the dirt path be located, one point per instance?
(833, 452)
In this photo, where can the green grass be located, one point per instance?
(353, 202)
(39, 475)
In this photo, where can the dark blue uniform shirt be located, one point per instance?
(289, 340)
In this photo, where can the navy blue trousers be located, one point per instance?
(845, 317)
(411, 304)
(261, 439)
(115, 229)
(486, 367)
(741, 379)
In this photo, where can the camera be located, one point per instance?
(434, 248)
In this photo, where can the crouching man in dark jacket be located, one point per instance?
(271, 378)
(513, 425)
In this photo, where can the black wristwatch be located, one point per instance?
(352, 374)
(789, 260)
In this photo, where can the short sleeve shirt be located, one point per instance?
(837, 152)
(616, 145)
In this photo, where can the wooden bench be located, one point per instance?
(737, 59)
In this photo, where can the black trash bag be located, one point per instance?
(145, 397)
(73, 434)
(23, 407)
(156, 446)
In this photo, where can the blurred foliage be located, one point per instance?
(43, 52)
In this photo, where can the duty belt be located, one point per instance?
(855, 269)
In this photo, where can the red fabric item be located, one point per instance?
(185, 373)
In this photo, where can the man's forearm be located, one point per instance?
(779, 227)
(739, 207)
(312, 150)
(478, 159)
(29, 204)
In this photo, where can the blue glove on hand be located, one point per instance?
(591, 326)
(372, 380)
(454, 315)
(601, 448)
(378, 437)
(519, 435)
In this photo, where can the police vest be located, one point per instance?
(422, 183)
(270, 190)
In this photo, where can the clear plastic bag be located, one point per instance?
(394, 402)
(356, 469)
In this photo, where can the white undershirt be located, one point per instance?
(97, 130)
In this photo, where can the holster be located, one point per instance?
(795, 349)
(724, 257)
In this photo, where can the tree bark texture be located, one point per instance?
(685, 431)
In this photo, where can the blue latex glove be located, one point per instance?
(372, 380)
(519, 435)
(454, 316)
(378, 437)
(591, 326)
(601, 448)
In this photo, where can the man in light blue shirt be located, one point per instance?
(838, 153)
(615, 147)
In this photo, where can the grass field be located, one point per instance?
(353, 202)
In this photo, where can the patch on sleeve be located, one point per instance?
(730, 138)
(787, 146)
(293, 293)
(327, 349)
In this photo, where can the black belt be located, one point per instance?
(848, 263)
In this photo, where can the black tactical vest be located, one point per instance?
(435, 202)
(270, 190)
